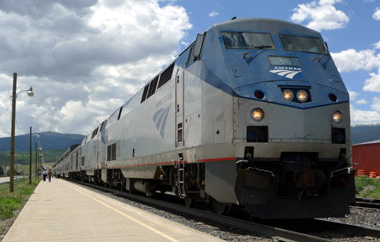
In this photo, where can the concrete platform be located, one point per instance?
(62, 211)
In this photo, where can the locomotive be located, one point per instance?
(253, 113)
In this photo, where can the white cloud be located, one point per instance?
(213, 14)
(361, 101)
(352, 60)
(373, 84)
(377, 45)
(376, 14)
(376, 104)
(364, 117)
(321, 15)
(83, 58)
(353, 95)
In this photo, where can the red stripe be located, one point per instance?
(217, 159)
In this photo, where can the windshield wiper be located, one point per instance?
(259, 47)
(325, 52)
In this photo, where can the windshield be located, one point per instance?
(241, 40)
(304, 44)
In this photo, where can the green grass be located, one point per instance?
(10, 202)
(367, 187)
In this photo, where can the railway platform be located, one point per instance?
(63, 211)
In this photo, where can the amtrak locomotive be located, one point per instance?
(253, 113)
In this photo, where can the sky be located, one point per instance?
(85, 58)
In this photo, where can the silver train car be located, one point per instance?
(253, 113)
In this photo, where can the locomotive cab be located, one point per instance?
(290, 119)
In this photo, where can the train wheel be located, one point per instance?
(188, 202)
(219, 208)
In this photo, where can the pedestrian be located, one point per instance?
(50, 173)
(44, 174)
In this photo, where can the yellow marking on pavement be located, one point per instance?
(126, 215)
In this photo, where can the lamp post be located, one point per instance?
(30, 156)
(39, 158)
(36, 161)
(12, 162)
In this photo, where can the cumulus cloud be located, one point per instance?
(377, 45)
(352, 60)
(353, 95)
(320, 15)
(376, 104)
(376, 14)
(84, 58)
(372, 84)
(213, 14)
(364, 117)
(361, 101)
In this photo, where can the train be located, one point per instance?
(253, 114)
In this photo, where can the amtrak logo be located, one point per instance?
(160, 118)
(288, 72)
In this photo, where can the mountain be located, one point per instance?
(365, 133)
(47, 140)
(54, 141)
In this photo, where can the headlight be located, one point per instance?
(302, 96)
(257, 114)
(288, 95)
(338, 117)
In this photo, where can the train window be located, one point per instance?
(180, 133)
(101, 126)
(94, 133)
(152, 87)
(303, 44)
(120, 111)
(144, 93)
(166, 75)
(111, 152)
(245, 40)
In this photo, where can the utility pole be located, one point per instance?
(12, 163)
(36, 162)
(30, 156)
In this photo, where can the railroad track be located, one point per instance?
(367, 203)
(308, 230)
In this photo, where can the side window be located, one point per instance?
(145, 93)
(166, 75)
(94, 133)
(111, 152)
(121, 110)
(152, 87)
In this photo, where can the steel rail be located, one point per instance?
(367, 203)
(355, 229)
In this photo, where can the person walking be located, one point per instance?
(44, 175)
(50, 174)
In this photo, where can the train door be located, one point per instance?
(179, 105)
